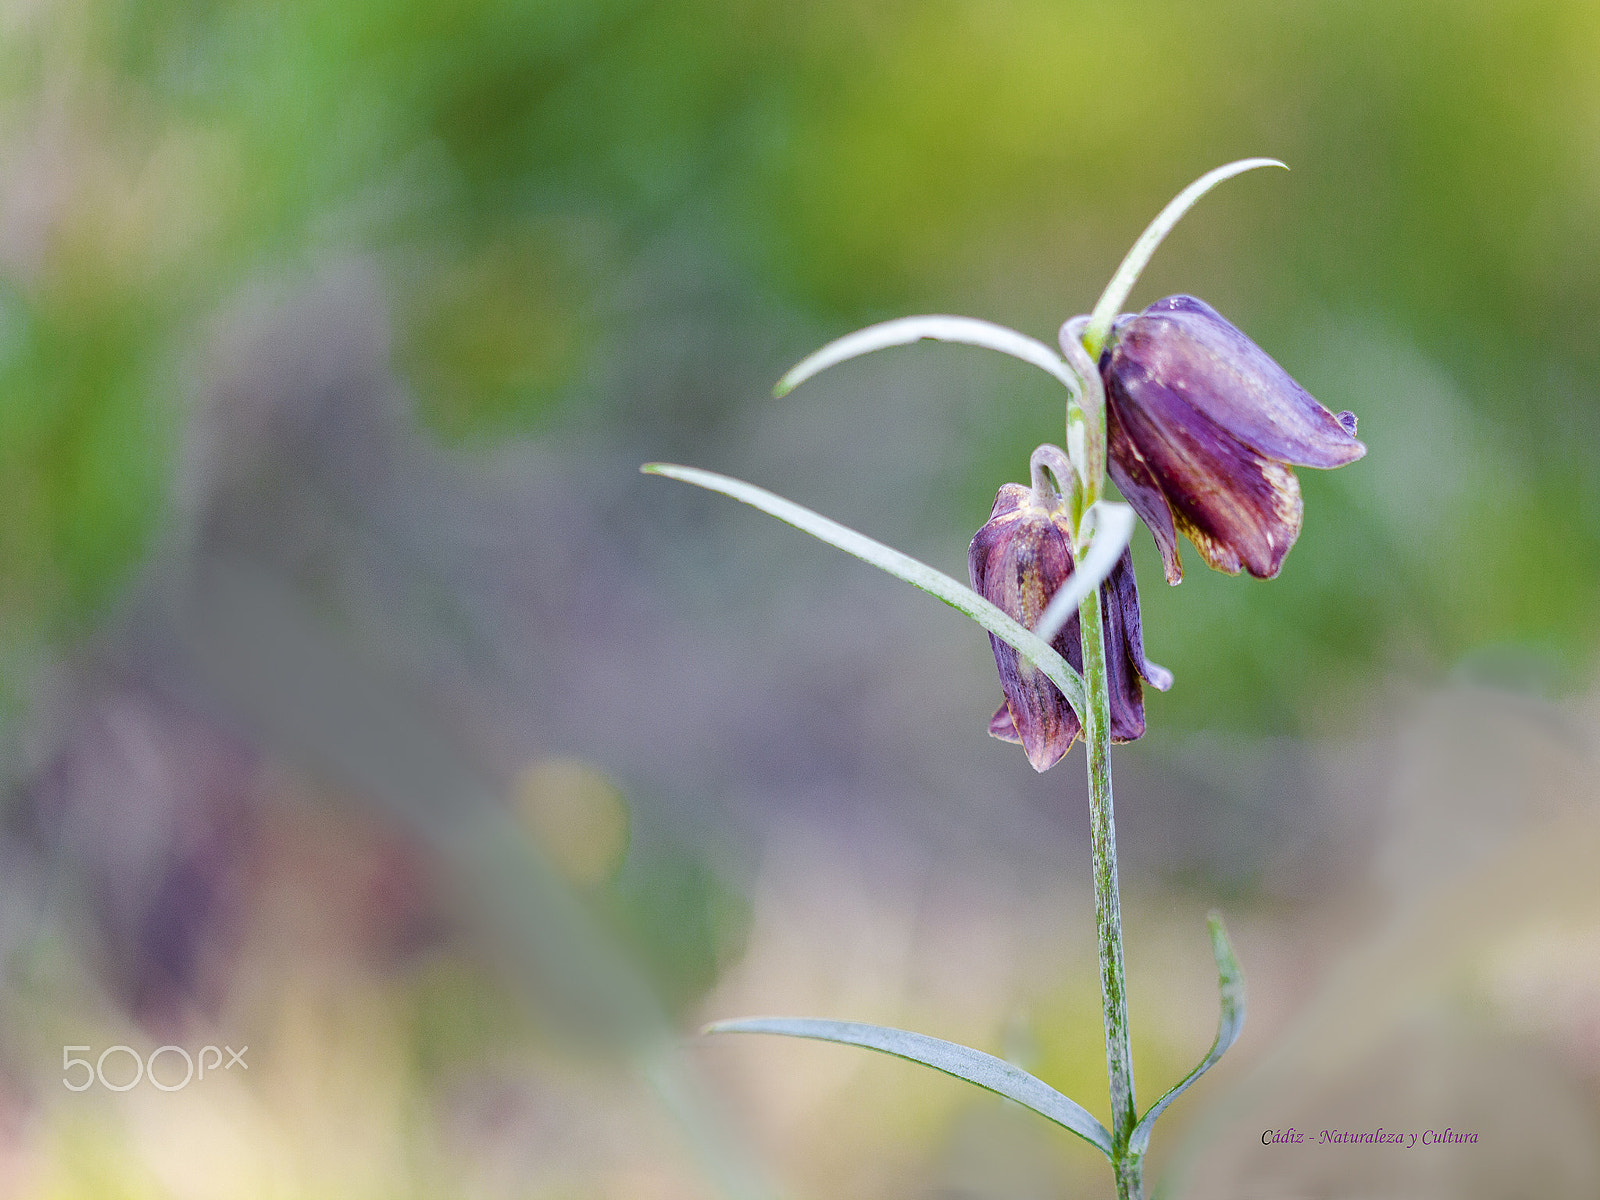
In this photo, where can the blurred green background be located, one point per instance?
(544, 186)
(331, 336)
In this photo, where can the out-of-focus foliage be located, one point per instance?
(331, 335)
(518, 168)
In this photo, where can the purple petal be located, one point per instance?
(1010, 498)
(1017, 560)
(1183, 345)
(1126, 664)
(1040, 715)
(1240, 509)
(1139, 488)
(1003, 727)
(1121, 593)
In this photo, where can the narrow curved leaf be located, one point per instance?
(1230, 982)
(1114, 525)
(974, 1066)
(936, 583)
(1138, 256)
(904, 330)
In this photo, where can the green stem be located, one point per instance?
(1098, 326)
(1108, 906)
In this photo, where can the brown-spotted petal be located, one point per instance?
(1140, 489)
(1241, 509)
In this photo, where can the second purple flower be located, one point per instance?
(1017, 561)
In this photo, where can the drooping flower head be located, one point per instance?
(1202, 428)
(1017, 561)
(1197, 426)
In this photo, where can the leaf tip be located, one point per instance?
(1222, 949)
(1239, 166)
(737, 1025)
(1214, 925)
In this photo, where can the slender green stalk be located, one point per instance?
(1082, 339)
(1138, 256)
(1108, 905)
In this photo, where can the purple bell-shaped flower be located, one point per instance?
(1017, 561)
(1202, 428)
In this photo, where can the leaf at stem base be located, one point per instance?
(988, 1072)
(1230, 983)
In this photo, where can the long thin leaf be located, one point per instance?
(1138, 256)
(904, 330)
(1230, 982)
(974, 1066)
(936, 583)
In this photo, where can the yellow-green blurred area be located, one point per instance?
(361, 704)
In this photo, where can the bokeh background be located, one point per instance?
(361, 704)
